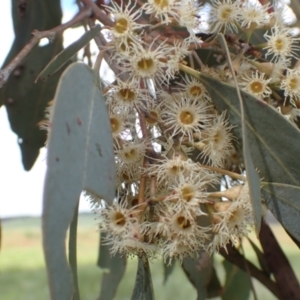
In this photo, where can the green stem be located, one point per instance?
(190, 71)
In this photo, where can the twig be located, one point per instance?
(198, 60)
(224, 172)
(143, 177)
(152, 187)
(100, 57)
(101, 43)
(99, 14)
(87, 48)
(36, 36)
(142, 186)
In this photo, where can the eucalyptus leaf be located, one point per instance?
(235, 257)
(267, 131)
(214, 287)
(207, 57)
(261, 258)
(72, 253)
(199, 273)
(104, 255)
(80, 157)
(65, 55)
(278, 263)
(252, 176)
(237, 285)
(265, 141)
(257, 38)
(113, 267)
(283, 201)
(112, 277)
(168, 269)
(24, 100)
(143, 288)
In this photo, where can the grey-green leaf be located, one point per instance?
(260, 257)
(104, 255)
(65, 55)
(114, 268)
(252, 176)
(168, 270)
(285, 278)
(72, 253)
(80, 157)
(237, 284)
(283, 201)
(112, 277)
(143, 288)
(26, 101)
(199, 272)
(214, 287)
(254, 187)
(267, 133)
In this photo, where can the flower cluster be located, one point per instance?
(169, 139)
(171, 145)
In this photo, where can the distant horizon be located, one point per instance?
(38, 216)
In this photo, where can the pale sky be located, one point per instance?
(21, 191)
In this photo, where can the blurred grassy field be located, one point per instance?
(23, 275)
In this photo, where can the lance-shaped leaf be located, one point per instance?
(237, 285)
(168, 270)
(252, 176)
(112, 277)
(260, 257)
(143, 288)
(283, 201)
(235, 257)
(80, 157)
(114, 269)
(26, 101)
(267, 133)
(199, 272)
(279, 265)
(104, 255)
(65, 55)
(72, 253)
(214, 287)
